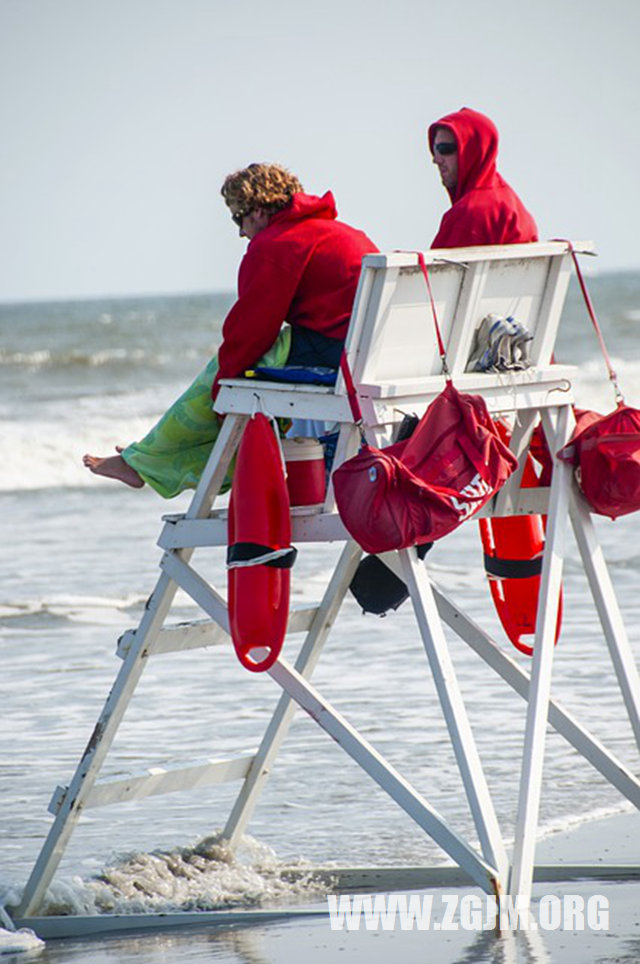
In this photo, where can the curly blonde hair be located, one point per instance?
(266, 186)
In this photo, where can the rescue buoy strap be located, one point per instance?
(512, 568)
(243, 554)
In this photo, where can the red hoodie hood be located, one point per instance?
(477, 138)
(306, 206)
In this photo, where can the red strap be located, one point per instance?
(592, 314)
(352, 393)
(441, 348)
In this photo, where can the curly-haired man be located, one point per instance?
(301, 267)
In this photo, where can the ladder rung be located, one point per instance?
(179, 532)
(159, 780)
(173, 639)
(202, 633)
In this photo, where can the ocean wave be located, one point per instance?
(205, 876)
(592, 388)
(42, 359)
(77, 608)
(42, 454)
(23, 942)
(572, 821)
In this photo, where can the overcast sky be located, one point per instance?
(120, 118)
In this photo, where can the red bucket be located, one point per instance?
(305, 471)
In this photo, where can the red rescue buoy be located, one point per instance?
(513, 549)
(260, 554)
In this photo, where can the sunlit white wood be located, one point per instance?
(204, 633)
(511, 252)
(466, 316)
(159, 780)
(544, 337)
(530, 387)
(322, 527)
(540, 687)
(454, 712)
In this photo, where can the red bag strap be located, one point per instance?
(441, 348)
(592, 315)
(352, 395)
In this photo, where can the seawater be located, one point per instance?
(79, 560)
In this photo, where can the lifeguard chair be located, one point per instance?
(396, 367)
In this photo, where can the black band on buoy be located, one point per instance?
(242, 554)
(512, 568)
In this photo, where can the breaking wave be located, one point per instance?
(207, 876)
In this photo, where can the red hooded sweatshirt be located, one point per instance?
(302, 268)
(485, 210)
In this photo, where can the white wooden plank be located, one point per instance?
(323, 527)
(160, 780)
(530, 380)
(466, 317)
(316, 527)
(540, 688)
(72, 925)
(546, 331)
(204, 633)
(454, 712)
(401, 259)
(364, 346)
(283, 402)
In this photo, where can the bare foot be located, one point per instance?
(113, 467)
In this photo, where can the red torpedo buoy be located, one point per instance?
(259, 555)
(513, 549)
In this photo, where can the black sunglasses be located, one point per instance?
(445, 148)
(239, 218)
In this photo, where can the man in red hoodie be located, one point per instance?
(302, 267)
(485, 209)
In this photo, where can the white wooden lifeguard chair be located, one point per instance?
(394, 359)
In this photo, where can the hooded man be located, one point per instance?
(485, 209)
(302, 267)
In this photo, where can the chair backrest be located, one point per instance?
(392, 335)
(392, 347)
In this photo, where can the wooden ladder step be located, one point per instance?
(159, 779)
(202, 633)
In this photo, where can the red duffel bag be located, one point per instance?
(421, 489)
(605, 450)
